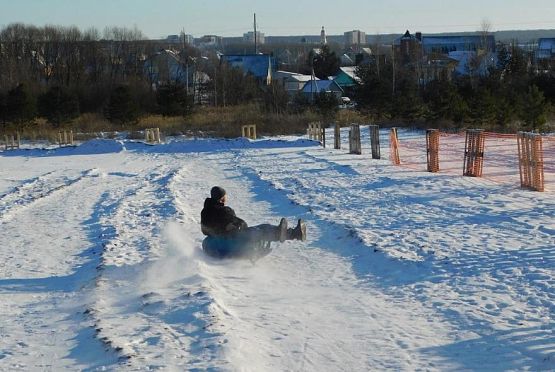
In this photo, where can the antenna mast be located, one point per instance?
(255, 46)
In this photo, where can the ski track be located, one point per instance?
(42, 294)
(407, 285)
(35, 189)
(148, 308)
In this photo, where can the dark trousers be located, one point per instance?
(258, 233)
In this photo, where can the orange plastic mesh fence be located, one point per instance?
(432, 150)
(500, 156)
(394, 147)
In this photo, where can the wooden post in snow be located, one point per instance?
(354, 140)
(375, 141)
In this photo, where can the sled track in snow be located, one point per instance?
(129, 316)
(123, 244)
(35, 189)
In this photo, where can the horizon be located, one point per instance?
(170, 17)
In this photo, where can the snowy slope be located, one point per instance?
(100, 265)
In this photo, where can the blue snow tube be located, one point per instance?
(235, 247)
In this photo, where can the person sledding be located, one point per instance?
(230, 236)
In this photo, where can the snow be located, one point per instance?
(101, 266)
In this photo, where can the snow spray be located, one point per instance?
(178, 261)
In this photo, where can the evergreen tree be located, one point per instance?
(546, 84)
(327, 105)
(172, 100)
(325, 64)
(373, 94)
(444, 102)
(122, 108)
(483, 109)
(58, 105)
(299, 103)
(3, 108)
(408, 104)
(535, 109)
(20, 105)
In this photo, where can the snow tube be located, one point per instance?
(235, 247)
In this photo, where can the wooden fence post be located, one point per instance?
(354, 140)
(12, 142)
(375, 141)
(316, 132)
(337, 137)
(248, 131)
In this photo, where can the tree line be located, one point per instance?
(61, 72)
(513, 94)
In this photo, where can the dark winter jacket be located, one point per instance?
(218, 220)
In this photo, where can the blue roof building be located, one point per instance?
(261, 66)
(462, 43)
(322, 86)
(165, 67)
(546, 48)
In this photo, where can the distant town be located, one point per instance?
(503, 80)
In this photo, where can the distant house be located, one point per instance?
(472, 62)
(313, 87)
(346, 78)
(210, 42)
(457, 43)
(165, 67)
(440, 67)
(443, 56)
(291, 81)
(546, 49)
(261, 66)
(346, 60)
(408, 49)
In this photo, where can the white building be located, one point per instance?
(323, 38)
(249, 37)
(355, 37)
(209, 41)
(188, 39)
(292, 82)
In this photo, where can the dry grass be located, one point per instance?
(348, 117)
(204, 122)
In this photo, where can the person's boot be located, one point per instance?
(282, 230)
(299, 232)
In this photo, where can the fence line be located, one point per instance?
(496, 159)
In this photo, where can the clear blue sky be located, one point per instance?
(159, 18)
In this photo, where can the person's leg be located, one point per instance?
(267, 232)
(298, 233)
(279, 233)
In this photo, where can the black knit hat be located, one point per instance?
(217, 193)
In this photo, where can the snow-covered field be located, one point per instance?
(101, 267)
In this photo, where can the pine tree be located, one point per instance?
(20, 105)
(325, 64)
(327, 105)
(535, 109)
(3, 108)
(58, 106)
(172, 100)
(483, 109)
(122, 108)
(373, 94)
